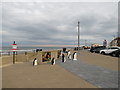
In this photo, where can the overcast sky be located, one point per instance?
(53, 23)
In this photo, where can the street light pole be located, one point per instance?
(78, 38)
(85, 43)
(114, 40)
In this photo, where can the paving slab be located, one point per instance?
(24, 75)
(99, 76)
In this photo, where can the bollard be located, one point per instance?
(25, 53)
(9, 53)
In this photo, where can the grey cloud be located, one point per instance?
(39, 21)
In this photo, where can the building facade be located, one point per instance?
(95, 44)
(115, 42)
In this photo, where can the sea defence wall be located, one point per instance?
(8, 59)
(53, 54)
(29, 56)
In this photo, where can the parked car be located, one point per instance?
(115, 53)
(109, 50)
(96, 49)
(76, 48)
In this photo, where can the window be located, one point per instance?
(114, 48)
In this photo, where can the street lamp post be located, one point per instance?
(114, 40)
(78, 38)
(85, 43)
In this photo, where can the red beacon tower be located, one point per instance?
(14, 47)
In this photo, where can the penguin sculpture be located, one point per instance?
(75, 56)
(70, 57)
(35, 62)
(53, 61)
(68, 54)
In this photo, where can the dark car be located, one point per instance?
(38, 49)
(97, 49)
(115, 53)
(76, 48)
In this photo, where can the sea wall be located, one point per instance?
(29, 56)
(8, 59)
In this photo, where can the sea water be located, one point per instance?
(8, 50)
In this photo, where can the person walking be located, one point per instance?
(63, 57)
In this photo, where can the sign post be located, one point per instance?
(105, 43)
(14, 48)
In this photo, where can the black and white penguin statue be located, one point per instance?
(68, 54)
(53, 61)
(35, 62)
(74, 56)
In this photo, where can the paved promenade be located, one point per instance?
(98, 76)
(104, 61)
(24, 75)
(90, 71)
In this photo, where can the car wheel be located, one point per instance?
(103, 53)
(114, 55)
(119, 55)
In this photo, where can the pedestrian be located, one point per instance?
(63, 57)
(53, 61)
(61, 53)
(35, 62)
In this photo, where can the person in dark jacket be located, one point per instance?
(63, 57)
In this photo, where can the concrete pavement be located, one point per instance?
(90, 71)
(24, 75)
(99, 76)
